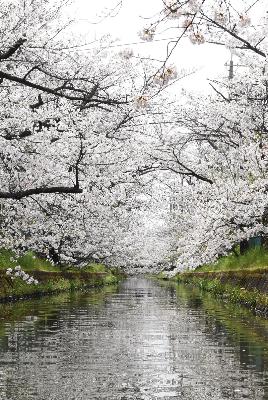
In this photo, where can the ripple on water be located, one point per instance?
(141, 341)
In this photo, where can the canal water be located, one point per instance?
(141, 340)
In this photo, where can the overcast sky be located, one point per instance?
(124, 25)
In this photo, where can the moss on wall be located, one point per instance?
(246, 287)
(53, 282)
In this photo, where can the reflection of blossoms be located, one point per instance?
(147, 34)
(197, 38)
(19, 273)
(166, 76)
(172, 9)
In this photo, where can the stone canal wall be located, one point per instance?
(53, 282)
(247, 287)
(256, 279)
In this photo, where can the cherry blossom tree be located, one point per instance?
(216, 145)
(98, 162)
(72, 144)
(225, 138)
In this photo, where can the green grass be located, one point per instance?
(52, 278)
(161, 275)
(95, 268)
(28, 262)
(54, 282)
(255, 258)
(18, 289)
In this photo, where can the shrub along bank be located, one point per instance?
(51, 278)
(236, 278)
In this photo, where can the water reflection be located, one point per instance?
(139, 341)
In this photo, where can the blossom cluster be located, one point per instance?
(142, 101)
(244, 20)
(147, 34)
(168, 74)
(126, 53)
(17, 272)
(200, 21)
(197, 37)
(172, 9)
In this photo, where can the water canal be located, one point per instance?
(141, 340)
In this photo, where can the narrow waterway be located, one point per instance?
(139, 340)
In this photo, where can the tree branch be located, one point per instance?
(12, 49)
(41, 190)
(217, 91)
(190, 171)
(84, 98)
(234, 35)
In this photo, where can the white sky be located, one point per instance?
(130, 19)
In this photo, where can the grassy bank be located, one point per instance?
(238, 278)
(257, 257)
(51, 278)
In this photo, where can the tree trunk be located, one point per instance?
(244, 246)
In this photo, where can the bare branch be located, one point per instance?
(222, 95)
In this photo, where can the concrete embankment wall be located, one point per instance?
(247, 287)
(52, 282)
(248, 279)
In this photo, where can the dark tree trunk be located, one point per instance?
(264, 241)
(244, 246)
(54, 256)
